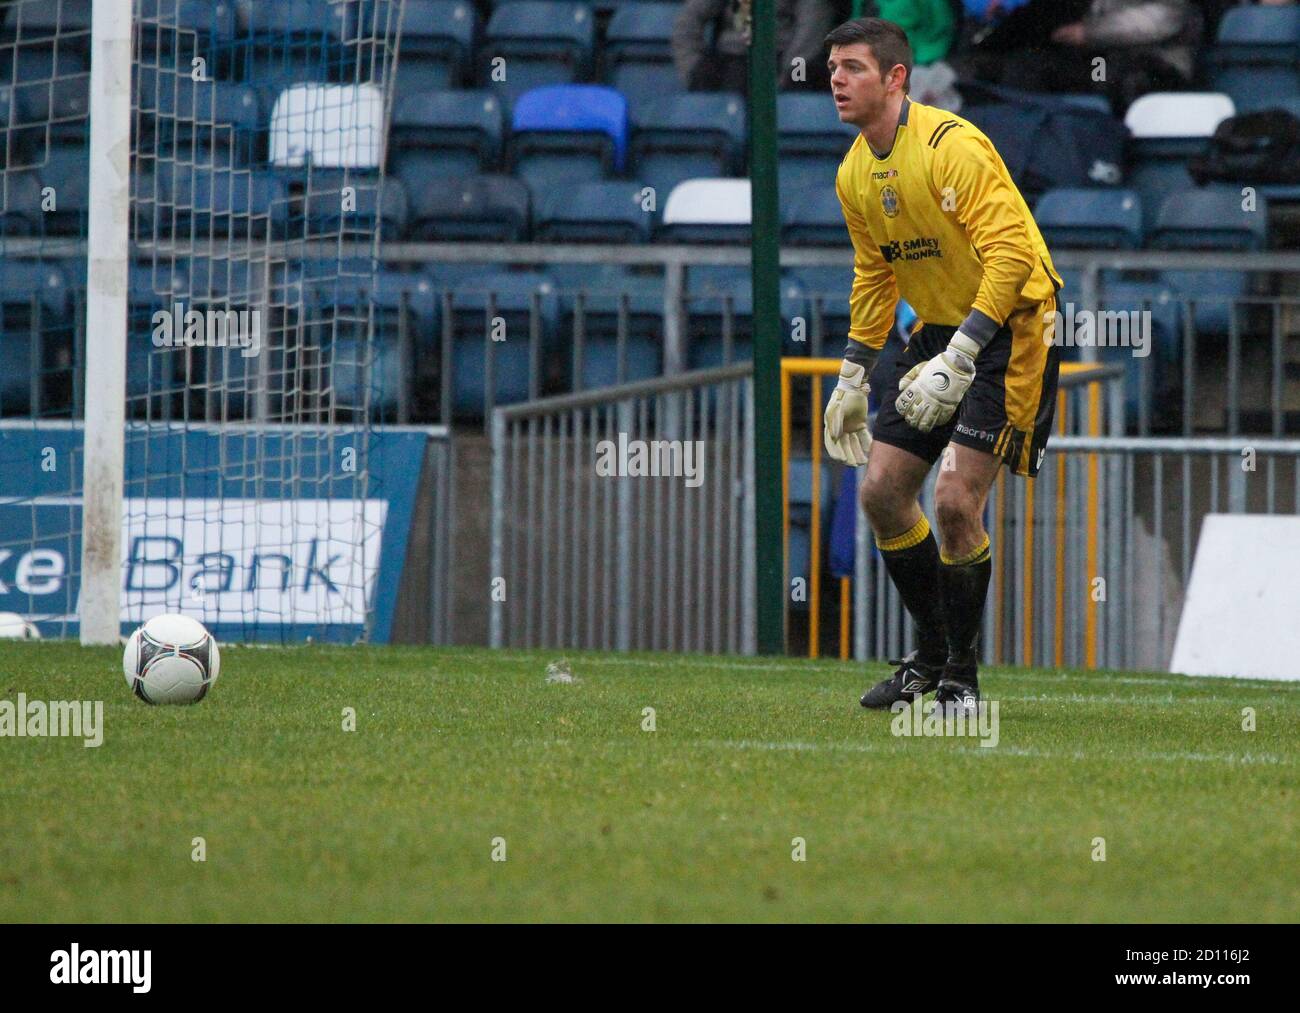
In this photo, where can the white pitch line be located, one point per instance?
(740, 665)
(1230, 759)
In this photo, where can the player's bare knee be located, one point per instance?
(885, 508)
(956, 512)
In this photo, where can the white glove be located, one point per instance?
(845, 426)
(931, 391)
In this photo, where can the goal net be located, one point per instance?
(233, 368)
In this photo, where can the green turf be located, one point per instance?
(602, 820)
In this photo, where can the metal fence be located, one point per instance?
(1226, 357)
(1091, 560)
(1221, 360)
(624, 518)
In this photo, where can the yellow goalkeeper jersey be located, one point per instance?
(938, 221)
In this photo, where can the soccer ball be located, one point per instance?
(15, 627)
(171, 659)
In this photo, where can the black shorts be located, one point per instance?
(1009, 408)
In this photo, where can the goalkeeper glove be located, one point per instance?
(931, 391)
(845, 430)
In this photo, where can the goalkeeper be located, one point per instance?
(935, 218)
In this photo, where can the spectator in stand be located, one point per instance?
(929, 24)
(1145, 46)
(931, 28)
(720, 65)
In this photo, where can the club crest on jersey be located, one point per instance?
(889, 201)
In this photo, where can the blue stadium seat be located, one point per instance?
(208, 122)
(161, 380)
(375, 204)
(42, 22)
(706, 313)
(437, 44)
(477, 208)
(1164, 357)
(606, 212)
(368, 368)
(1256, 59)
(448, 133)
(34, 314)
(1256, 88)
(686, 136)
(513, 297)
(1210, 295)
(1090, 219)
(1212, 219)
(809, 174)
(638, 49)
(173, 33)
(1089, 100)
(1154, 181)
(446, 276)
(827, 291)
(807, 124)
(20, 204)
(293, 41)
(213, 24)
(51, 99)
(832, 287)
(603, 298)
(812, 217)
(240, 204)
(537, 43)
(567, 134)
(67, 170)
(810, 136)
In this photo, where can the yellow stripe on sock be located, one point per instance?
(915, 535)
(978, 555)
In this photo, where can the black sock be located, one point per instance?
(912, 561)
(964, 584)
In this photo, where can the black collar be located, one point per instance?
(902, 122)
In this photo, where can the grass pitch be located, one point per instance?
(603, 820)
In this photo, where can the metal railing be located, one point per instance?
(1248, 339)
(1091, 560)
(1089, 405)
(624, 518)
(1173, 388)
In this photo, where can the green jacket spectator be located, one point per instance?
(929, 24)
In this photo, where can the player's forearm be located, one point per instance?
(872, 303)
(863, 354)
(1004, 279)
(1144, 25)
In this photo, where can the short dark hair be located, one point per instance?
(887, 41)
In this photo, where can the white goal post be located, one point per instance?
(109, 242)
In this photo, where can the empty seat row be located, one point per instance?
(583, 132)
(1209, 218)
